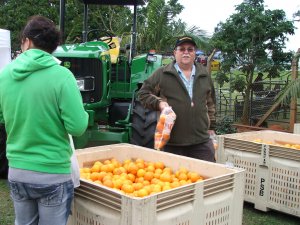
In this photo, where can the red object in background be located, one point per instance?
(202, 59)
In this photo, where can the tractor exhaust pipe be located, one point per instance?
(85, 18)
(133, 36)
(62, 19)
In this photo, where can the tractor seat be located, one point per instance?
(114, 49)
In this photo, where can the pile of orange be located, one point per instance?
(137, 177)
(163, 128)
(160, 138)
(285, 145)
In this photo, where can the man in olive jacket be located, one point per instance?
(187, 87)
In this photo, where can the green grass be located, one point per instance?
(6, 205)
(251, 216)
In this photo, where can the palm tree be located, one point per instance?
(289, 94)
(158, 30)
(292, 90)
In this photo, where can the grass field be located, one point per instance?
(6, 205)
(251, 216)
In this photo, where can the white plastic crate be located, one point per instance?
(218, 200)
(297, 128)
(272, 179)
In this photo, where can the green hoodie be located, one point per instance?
(40, 104)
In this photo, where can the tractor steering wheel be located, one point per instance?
(100, 35)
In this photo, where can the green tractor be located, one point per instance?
(108, 80)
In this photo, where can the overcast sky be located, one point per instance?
(207, 14)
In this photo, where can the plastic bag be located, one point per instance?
(163, 128)
(214, 140)
(75, 173)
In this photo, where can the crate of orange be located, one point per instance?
(271, 160)
(124, 184)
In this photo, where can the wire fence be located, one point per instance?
(262, 98)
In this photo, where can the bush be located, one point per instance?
(224, 126)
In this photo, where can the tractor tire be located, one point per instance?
(143, 126)
(3, 159)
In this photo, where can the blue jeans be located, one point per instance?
(39, 204)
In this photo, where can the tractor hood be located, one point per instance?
(92, 49)
(30, 61)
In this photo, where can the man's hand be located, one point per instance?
(162, 105)
(211, 132)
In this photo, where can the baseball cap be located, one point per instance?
(185, 39)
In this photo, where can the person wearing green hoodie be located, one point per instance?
(40, 106)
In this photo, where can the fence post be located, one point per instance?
(293, 105)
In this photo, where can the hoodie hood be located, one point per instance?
(30, 61)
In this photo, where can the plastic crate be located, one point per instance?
(217, 200)
(297, 128)
(272, 179)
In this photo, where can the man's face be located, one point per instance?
(185, 54)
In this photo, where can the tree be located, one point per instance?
(297, 14)
(115, 19)
(253, 39)
(73, 20)
(158, 29)
(292, 90)
(109, 18)
(157, 26)
(14, 15)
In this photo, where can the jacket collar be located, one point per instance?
(200, 69)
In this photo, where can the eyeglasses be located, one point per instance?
(181, 49)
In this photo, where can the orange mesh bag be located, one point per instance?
(164, 127)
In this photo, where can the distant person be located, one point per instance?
(40, 105)
(187, 87)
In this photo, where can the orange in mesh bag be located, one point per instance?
(164, 127)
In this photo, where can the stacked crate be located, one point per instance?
(216, 200)
(272, 179)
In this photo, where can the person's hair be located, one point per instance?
(42, 32)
